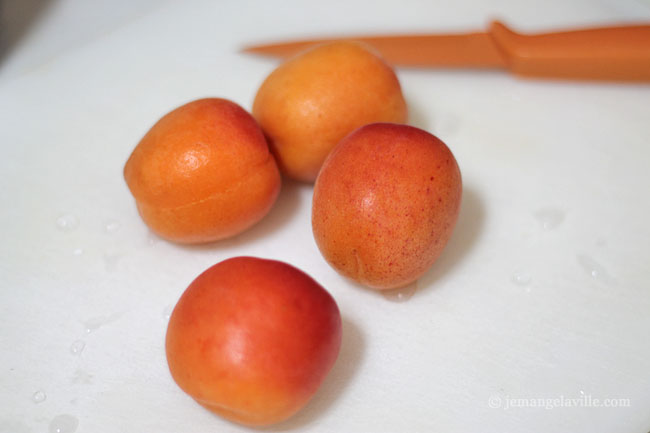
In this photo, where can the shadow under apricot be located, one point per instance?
(465, 236)
(417, 116)
(280, 214)
(334, 385)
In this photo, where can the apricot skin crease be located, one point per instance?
(203, 173)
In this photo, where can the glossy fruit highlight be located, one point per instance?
(252, 339)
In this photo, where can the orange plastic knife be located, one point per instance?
(620, 53)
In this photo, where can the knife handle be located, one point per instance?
(607, 53)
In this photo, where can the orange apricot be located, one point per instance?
(252, 339)
(310, 102)
(385, 204)
(203, 172)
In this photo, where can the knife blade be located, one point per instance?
(620, 53)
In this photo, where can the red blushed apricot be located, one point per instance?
(310, 102)
(385, 204)
(252, 339)
(203, 172)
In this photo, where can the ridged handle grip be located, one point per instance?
(607, 53)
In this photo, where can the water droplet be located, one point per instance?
(112, 226)
(81, 377)
(78, 251)
(167, 311)
(593, 268)
(39, 397)
(63, 424)
(401, 294)
(582, 392)
(152, 239)
(67, 222)
(549, 218)
(77, 347)
(521, 278)
(95, 323)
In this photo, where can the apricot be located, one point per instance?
(385, 204)
(203, 172)
(310, 102)
(252, 339)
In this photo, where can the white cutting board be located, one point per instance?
(514, 313)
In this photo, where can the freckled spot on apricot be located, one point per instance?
(404, 222)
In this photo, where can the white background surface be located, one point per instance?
(82, 81)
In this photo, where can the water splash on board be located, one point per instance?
(549, 218)
(63, 423)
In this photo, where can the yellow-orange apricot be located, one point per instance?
(203, 172)
(385, 204)
(310, 102)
